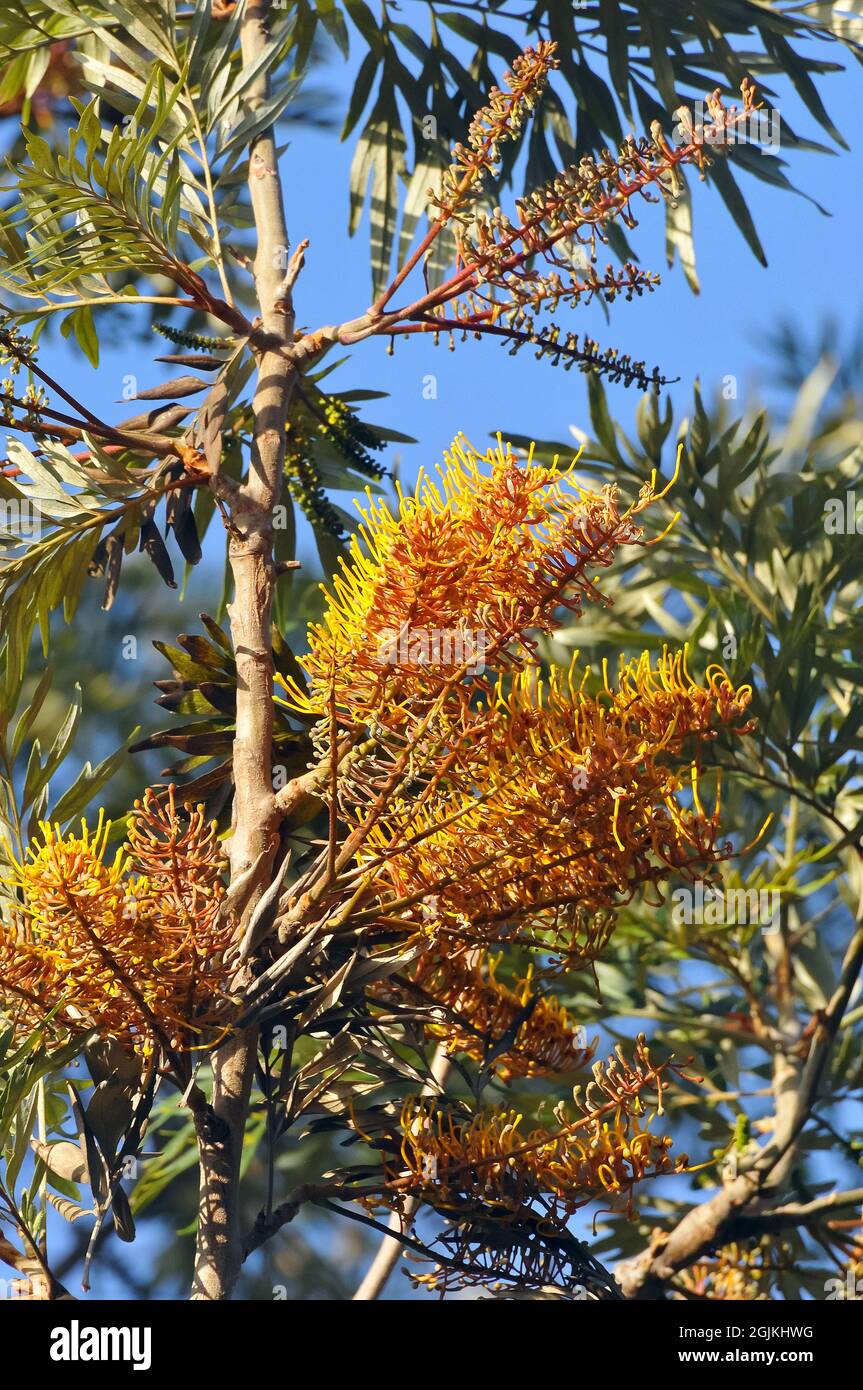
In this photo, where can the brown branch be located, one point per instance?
(715, 1221)
(269, 1225)
(521, 243)
(69, 428)
(623, 367)
(253, 839)
(799, 1213)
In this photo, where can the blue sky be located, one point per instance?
(813, 271)
(723, 331)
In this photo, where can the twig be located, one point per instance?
(390, 1248)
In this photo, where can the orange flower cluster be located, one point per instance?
(132, 945)
(562, 806)
(486, 805)
(487, 1161)
(451, 586)
(491, 803)
(482, 1014)
(737, 1272)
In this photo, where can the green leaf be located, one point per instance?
(678, 234)
(360, 94)
(721, 175)
(109, 1114)
(333, 21)
(24, 1125)
(89, 783)
(28, 718)
(366, 23)
(378, 164)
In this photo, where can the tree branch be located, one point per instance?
(391, 1246)
(716, 1221)
(250, 550)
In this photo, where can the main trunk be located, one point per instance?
(253, 838)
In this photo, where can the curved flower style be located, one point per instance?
(486, 1161)
(490, 1161)
(450, 587)
(740, 1272)
(561, 806)
(519, 1031)
(130, 946)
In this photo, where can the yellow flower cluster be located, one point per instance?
(131, 945)
(481, 1013)
(472, 563)
(490, 1161)
(487, 1161)
(737, 1272)
(561, 806)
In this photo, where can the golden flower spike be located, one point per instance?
(488, 1162)
(481, 1011)
(561, 806)
(475, 563)
(131, 945)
